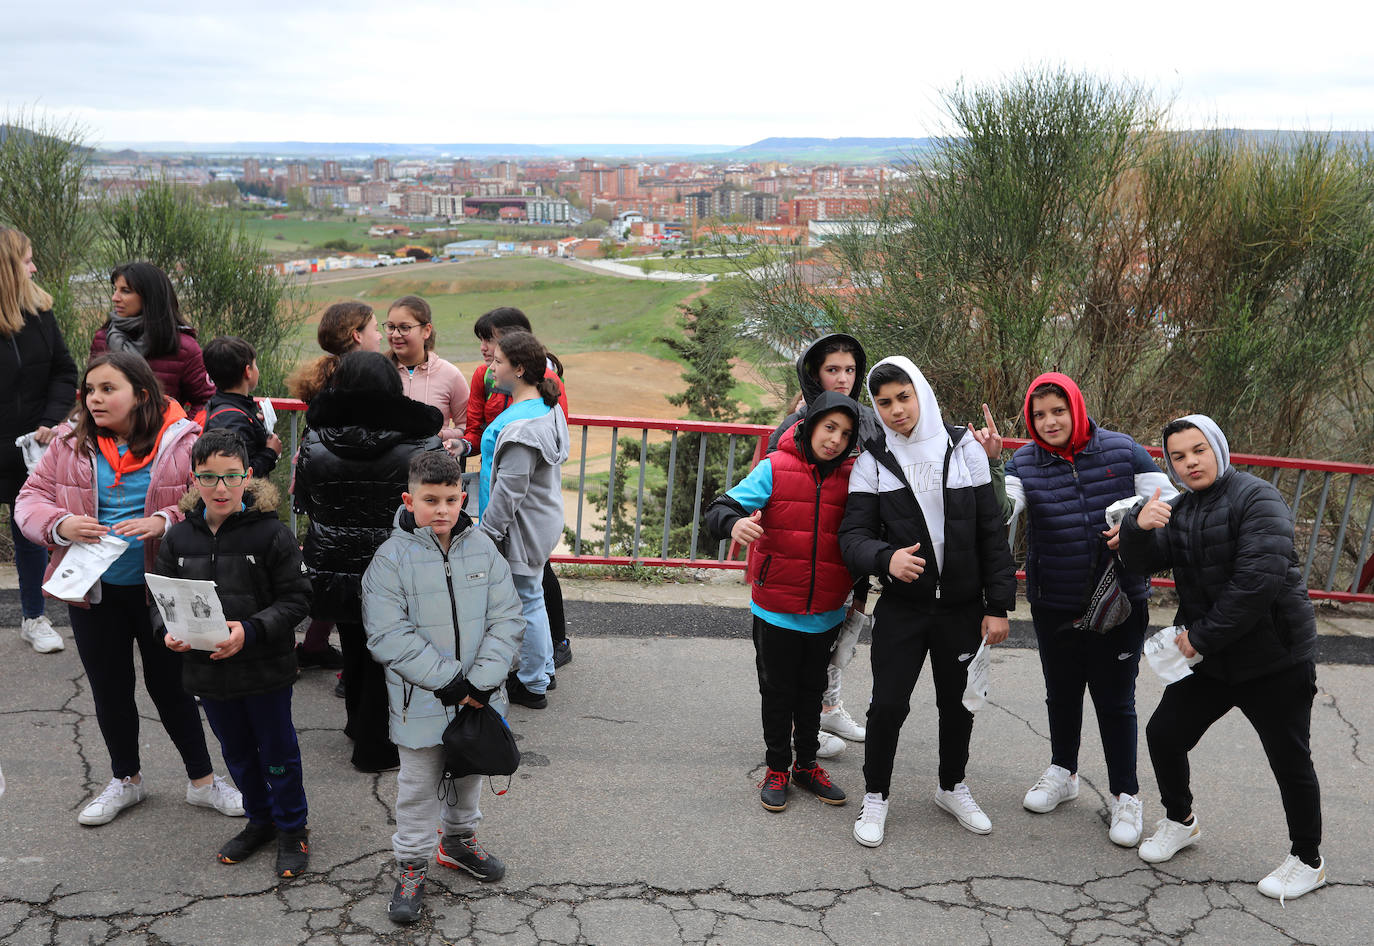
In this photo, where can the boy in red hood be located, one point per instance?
(1065, 479)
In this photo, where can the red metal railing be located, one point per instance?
(1327, 469)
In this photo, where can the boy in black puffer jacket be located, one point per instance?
(231, 536)
(1243, 606)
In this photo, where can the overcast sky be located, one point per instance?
(709, 71)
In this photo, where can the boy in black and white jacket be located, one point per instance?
(923, 515)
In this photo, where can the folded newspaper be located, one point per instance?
(190, 609)
(82, 567)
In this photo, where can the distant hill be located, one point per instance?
(377, 149)
(847, 150)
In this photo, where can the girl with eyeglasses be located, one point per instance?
(425, 377)
(121, 470)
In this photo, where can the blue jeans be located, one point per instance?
(536, 648)
(29, 561)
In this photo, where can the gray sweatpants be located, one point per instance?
(420, 812)
(845, 647)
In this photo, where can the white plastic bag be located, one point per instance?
(979, 671)
(82, 567)
(1116, 512)
(1166, 659)
(31, 449)
(847, 643)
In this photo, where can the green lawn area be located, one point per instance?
(711, 264)
(571, 310)
(296, 234)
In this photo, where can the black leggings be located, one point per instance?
(1279, 706)
(106, 634)
(553, 603)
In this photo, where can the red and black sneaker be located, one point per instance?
(816, 779)
(465, 853)
(773, 792)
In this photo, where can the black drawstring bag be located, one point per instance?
(478, 742)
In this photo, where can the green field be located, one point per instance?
(572, 310)
(297, 234)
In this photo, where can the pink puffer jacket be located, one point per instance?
(63, 484)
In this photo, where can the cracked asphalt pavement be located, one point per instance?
(635, 820)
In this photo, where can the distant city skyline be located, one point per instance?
(708, 73)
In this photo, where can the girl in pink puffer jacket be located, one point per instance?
(121, 470)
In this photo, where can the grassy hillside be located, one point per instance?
(571, 310)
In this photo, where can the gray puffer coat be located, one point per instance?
(431, 615)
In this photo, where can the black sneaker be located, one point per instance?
(339, 688)
(293, 853)
(326, 658)
(774, 790)
(516, 692)
(242, 845)
(466, 854)
(562, 653)
(815, 779)
(408, 899)
(553, 684)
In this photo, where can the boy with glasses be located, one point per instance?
(231, 535)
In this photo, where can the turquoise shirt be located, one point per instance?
(116, 504)
(521, 410)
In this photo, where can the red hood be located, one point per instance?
(1078, 411)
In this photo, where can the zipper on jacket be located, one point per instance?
(815, 543)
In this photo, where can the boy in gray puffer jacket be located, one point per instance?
(443, 618)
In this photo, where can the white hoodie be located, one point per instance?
(921, 456)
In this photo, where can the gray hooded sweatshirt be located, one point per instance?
(524, 514)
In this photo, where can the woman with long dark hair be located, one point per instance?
(146, 319)
(353, 466)
(37, 381)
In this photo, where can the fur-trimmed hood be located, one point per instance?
(363, 424)
(258, 494)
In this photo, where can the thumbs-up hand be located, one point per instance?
(988, 437)
(747, 530)
(1155, 513)
(906, 565)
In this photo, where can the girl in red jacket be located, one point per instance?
(121, 471)
(790, 507)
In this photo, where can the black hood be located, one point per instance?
(825, 403)
(810, 387)
(367, 423)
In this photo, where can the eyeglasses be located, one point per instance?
(401, 330)
(230, 480)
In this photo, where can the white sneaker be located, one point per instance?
(868, 830)
(830, 746)
(39, 632)
(1057, 785)
(842, 724)
(1170, 837)
(217, 794)
(959, 803)
(1127, 820)
(119, 794)
(1293, 878)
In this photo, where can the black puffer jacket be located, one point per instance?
(256, 566)
(37, 388)
(351, 471)
(1240, 592)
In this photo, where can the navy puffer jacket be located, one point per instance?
(353, 465)
(1240, 592)
(1066, 504)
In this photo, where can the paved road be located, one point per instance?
(635, 820)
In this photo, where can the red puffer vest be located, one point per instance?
(795, 567)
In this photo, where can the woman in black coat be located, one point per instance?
(1242, 605)
(352, 468)
(37, 391)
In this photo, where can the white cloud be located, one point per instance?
(711, 71)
